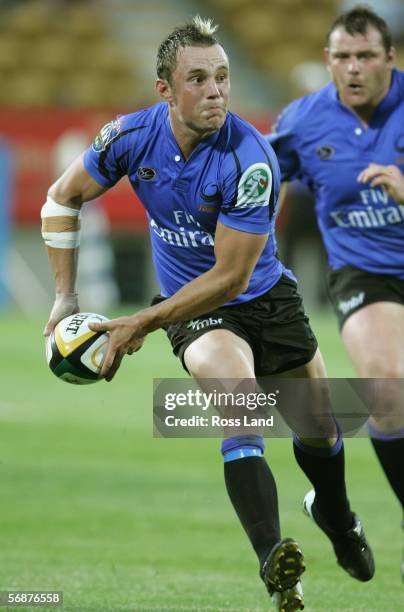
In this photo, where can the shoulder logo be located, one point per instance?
(325, 152)
(146, 174)
(255, 186)
(106, 135)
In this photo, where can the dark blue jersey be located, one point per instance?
(232, 177)
(324, 144)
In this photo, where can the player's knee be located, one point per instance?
(206, 364)
(386, 402)
(385, 424)
(377, 366)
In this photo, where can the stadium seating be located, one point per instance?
(278, 34)
(62, 53)
(84, 56)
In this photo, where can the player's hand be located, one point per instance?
(390, 177)
(65, 304)
(125, 338)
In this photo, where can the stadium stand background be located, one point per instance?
(67, 67)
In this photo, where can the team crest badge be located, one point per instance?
(106, 135)
(325, 152)
(254, 187)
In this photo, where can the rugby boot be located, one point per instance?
(353, 552)
(281, 573)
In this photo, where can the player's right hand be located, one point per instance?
(65, 304)
(125, 338)
(390, 177)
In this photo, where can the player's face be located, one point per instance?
(200, 88)
(359, 67)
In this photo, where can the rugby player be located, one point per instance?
(210, 182)
(346, 142)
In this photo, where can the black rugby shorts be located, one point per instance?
(350, 289)
(274, 325)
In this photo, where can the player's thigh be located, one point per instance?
(307, 408)
(222, 362)
(219, 354)
(374, 339)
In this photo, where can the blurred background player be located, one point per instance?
(346, 143)
(297, 228)
(210, 183)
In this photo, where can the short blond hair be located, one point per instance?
(197, 33)
(204, 26)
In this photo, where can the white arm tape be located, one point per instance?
(61, 239)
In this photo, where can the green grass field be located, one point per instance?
(93, 505)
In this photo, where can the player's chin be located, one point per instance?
(357, 99)
(216, 120)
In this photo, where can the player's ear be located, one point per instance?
(164, 90)
(391, 57)
(327, 58)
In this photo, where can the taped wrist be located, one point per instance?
(60, 225)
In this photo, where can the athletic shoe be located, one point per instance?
(351, 548)
(281, 573)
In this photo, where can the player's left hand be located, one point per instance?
(390, 177)
(125, 338)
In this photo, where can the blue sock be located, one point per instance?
(242, 446)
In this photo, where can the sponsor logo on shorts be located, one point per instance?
(346, 306)
(202, 323)
(146, 174)
(254, 187)
(106, 135)
(325, 152)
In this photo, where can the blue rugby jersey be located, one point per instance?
(232, 177)
(321, 142)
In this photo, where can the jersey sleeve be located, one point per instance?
(250, 187)
(104, 160)
(284, 140)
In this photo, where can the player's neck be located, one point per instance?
(366, 112)
(187, 138)
(186, 142)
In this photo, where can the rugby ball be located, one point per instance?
(74, 352)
